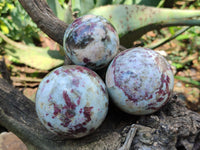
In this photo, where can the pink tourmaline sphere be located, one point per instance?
(140, 81)
(91, 41)
(72, 101)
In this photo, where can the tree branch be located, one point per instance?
(173, 124)
(129, 138)
(17, 114)
(43, 16)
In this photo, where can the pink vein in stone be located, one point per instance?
(57, 72)
(68, 101)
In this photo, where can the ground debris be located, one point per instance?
(172, 127)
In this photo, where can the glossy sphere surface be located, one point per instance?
(140, 81)
(91, 41)
(72, 101)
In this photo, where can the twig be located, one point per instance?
(129, 138)
(166, 40)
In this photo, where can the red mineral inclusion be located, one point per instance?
(80, 127)
(67, 99)
(75, 82)
(166, 82)
(117, 81)
(65, 122)
(70, 106)
(76, 129)
(56, 72)
(49, 124)
(81, 110)
(56, 110)
(86, 60)
(104, 91)
(79, 100)
(87, 113)
(86, 70)
(78, 21)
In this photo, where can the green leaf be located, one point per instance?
(117, 1)
(57, 9)
(62, 2)
(4, 28)
(143, 2)
(177, 65)
(68, 18)
(137, 20)
(102, 2)
(127, 18)
(62, 12)
(10, 6)
(184, 36)
(39, 58)
(188, 80)
(82, 6)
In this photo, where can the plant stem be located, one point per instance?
(166, 40)
(188, 80)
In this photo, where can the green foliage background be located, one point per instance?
(15, 23)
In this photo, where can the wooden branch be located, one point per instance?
(43, 16)
(17, 114)
(129, 138)
(173, 125)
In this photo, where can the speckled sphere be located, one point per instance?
(91, 41)
(140, 81)
(72, 101)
